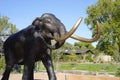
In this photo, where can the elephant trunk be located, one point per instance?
(62, 32)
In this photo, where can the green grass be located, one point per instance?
(107, 67)
(88, 67)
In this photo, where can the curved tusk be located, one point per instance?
(89, 40)
(70, 32)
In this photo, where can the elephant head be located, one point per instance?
(52, 28)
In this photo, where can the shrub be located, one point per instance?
(90, 58)
(118, 72)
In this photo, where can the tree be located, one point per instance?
(107, 12)
(67, 46)
(83, 45)
(6, 27)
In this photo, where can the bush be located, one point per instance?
(72, 57)
(118, 72)
(90, 58)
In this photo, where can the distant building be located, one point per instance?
(77, 52)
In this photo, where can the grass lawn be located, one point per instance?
(88, 67)
(107, 67)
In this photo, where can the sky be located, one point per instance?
(23, 12)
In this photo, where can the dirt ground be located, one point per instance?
(63, 76)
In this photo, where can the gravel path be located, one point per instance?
(63, 76)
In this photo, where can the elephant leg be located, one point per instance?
(28, 71)
(9, 59)
(7, 72)
(47, 61)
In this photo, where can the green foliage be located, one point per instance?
(72, 57)
(83, 45)
(118, 72)
(67, 46)
(65, 58)
(107, 12)
(5, 26)
(2, 63)
(90, 58)
(88, 67)
(69, 58)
